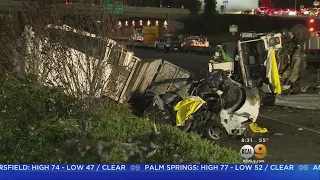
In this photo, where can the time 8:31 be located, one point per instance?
(249, 140)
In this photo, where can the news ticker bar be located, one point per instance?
(156, 167)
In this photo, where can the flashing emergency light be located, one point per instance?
(311, 21)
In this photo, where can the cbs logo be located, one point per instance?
(259, 151)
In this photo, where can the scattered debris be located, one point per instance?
(256, 129)
(278, 134)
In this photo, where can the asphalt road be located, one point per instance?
(294, 134)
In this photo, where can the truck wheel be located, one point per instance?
(216, 132)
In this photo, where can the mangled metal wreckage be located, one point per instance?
(216, 106)
(273, 62)
(227, 101)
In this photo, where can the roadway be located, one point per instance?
(294, 134)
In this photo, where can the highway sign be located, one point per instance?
(113, 7)
(233, 29)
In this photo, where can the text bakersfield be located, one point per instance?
(152, 167)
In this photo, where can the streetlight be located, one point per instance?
(225, 6)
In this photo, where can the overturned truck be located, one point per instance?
(86, 65)
(273, 62)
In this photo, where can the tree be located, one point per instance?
(193, 5)
(209, 8)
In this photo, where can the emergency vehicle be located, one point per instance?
(313, 46)
(196, 41)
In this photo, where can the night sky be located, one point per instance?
(290, 3)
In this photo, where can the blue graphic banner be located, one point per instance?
(160, 171)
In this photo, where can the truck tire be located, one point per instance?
(216, 133)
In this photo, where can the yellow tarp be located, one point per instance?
(273, 72)
(256, 129)
(187, 107)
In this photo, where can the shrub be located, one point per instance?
(119, 124)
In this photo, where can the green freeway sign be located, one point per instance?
(113, 7)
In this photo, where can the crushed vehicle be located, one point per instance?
(215, 107)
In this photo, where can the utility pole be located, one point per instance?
(295, 4)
